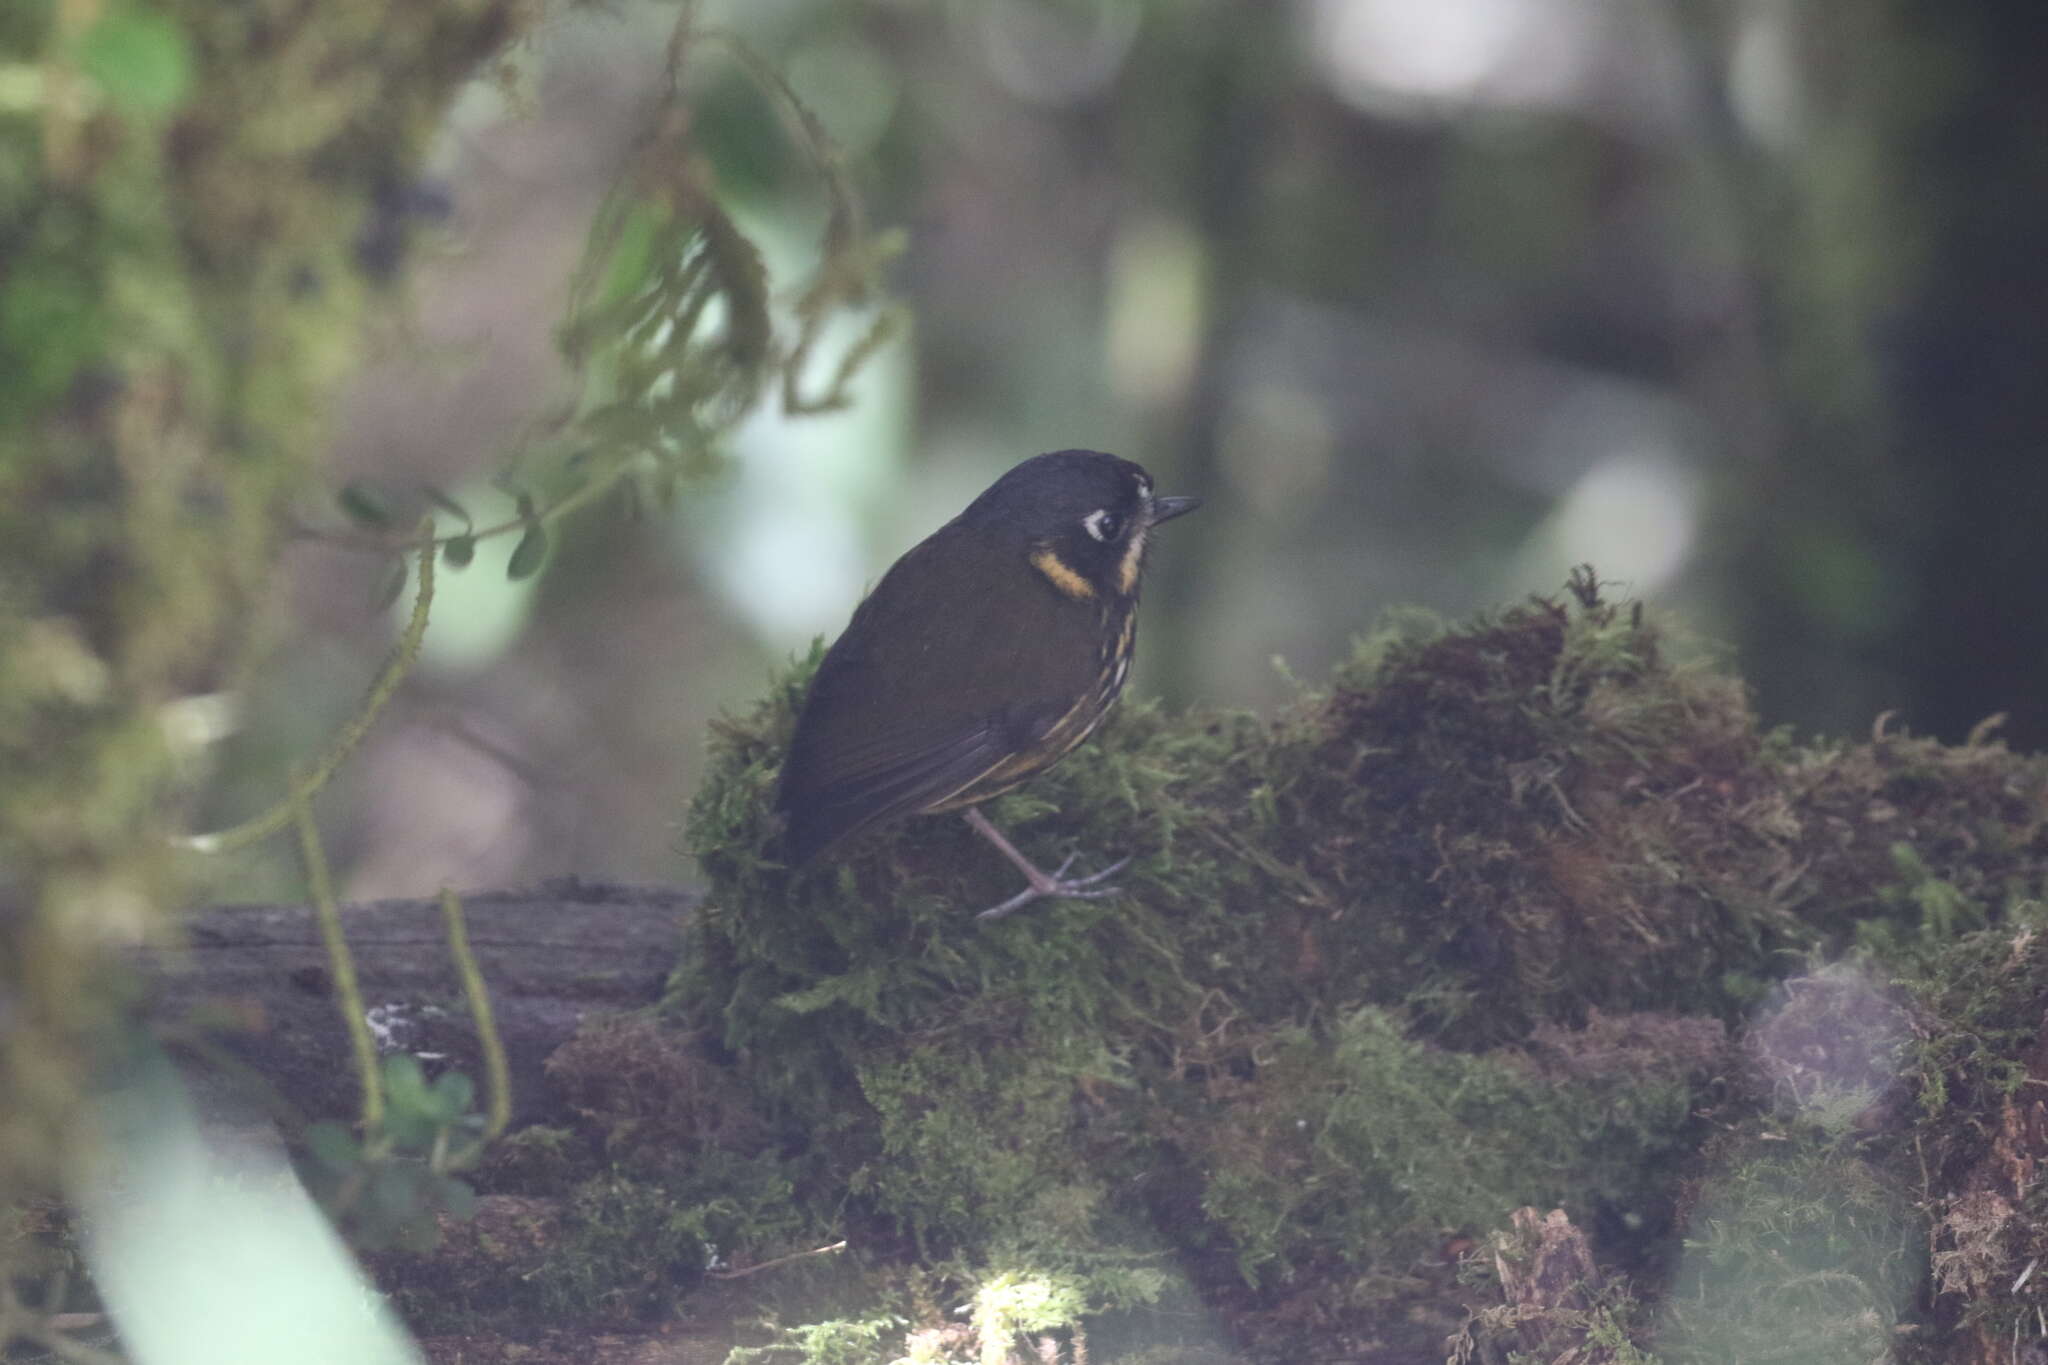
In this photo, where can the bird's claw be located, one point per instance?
(1058, 887)
(1093, 878)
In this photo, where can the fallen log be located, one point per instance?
(250, 995)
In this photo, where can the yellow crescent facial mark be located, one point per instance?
(1060, 575)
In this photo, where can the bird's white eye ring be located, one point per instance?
(1103, 524)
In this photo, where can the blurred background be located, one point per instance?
(1740, 301)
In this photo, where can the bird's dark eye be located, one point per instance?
(1103, 524)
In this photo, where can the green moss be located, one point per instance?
(835, 1341)
(1367, 1145)
(1531, 815)
(1977, 1139)
(1983, 994)
(1460, 933)
(629, 1248)
(1238, 1052)
(1908, 843)
(536, 1160)
(976, 1143)
(1798, 1250)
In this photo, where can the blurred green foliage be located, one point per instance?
(388, 1187)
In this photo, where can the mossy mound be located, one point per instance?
(1525, 818)
(1465, 932)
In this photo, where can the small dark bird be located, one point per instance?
(982, 658)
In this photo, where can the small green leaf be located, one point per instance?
(528, 554)
(454, 1091)
(394, 1193)
(458, 551)
(333, 1146)
(364, 505)
(404, 1083)
(140, 60)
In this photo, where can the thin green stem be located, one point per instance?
(348, 994)
(497, 1074)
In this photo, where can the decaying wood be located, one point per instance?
(253, 982)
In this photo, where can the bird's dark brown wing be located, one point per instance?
(961, 657)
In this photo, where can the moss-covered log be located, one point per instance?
(1468, 931)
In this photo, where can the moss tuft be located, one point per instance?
(1367, 1144)
(1799, 1250)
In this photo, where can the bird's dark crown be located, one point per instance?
(1080, 515)
(1048, 494)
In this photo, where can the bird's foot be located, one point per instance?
(1058, 886)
